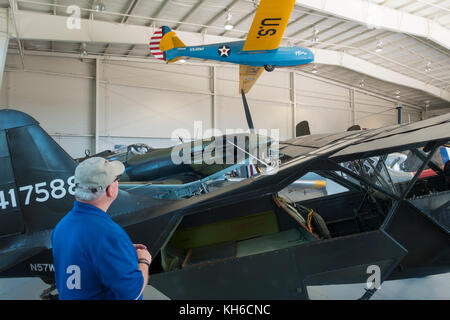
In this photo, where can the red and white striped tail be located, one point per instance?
(154, 44)
(251, 170)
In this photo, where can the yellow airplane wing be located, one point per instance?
(248, 76)
(269, 24)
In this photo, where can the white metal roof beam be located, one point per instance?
(240, 21)
(310, 27)
(327, 29)
(347, 39)
(130, 10)
(160, 9)
(189, 14)
(53, 28)
(382, 17)
(218, 15)
(362, 66)
(340, 33)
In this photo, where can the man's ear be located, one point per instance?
(109, 191)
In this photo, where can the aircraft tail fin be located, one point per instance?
(36, 178)
(302, 129)
(354, 128)
(162, 41)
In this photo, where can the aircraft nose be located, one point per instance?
(310, 54)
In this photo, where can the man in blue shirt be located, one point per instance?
(93, 256)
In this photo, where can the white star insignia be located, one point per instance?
(224, 51)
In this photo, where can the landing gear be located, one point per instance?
(269, 68)
(47, 293)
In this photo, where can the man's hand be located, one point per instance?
(142, 252)
(139, 246)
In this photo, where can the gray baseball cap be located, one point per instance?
(98, 173)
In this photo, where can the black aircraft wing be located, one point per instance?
(373, 140)
(303, 151)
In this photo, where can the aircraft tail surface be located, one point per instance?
(162, 41)
(302, 129)
(36, 176)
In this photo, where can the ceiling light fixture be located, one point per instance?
(428, 67)
(99, 6)
(379, 47)
(228, 25)
(397, 94)
(314, 68)
(361, 83)
(83, 51)
(315, 35)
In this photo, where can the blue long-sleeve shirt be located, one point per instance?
(94, 258)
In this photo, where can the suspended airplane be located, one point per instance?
(261, 50)
(243, 240)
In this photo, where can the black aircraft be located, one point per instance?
(153, 172)
(250, 239)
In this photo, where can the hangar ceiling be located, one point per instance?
(397, 48)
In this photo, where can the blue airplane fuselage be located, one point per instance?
(232, 52)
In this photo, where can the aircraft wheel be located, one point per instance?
(320, 226)
(47, 293)
(269, 68)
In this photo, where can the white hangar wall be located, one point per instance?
(330, 107)
(373, 112)
(147, 102)
(269, 102)
(326, 107)
(58, 93)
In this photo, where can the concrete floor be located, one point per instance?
(435, 287)
(31, 288)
